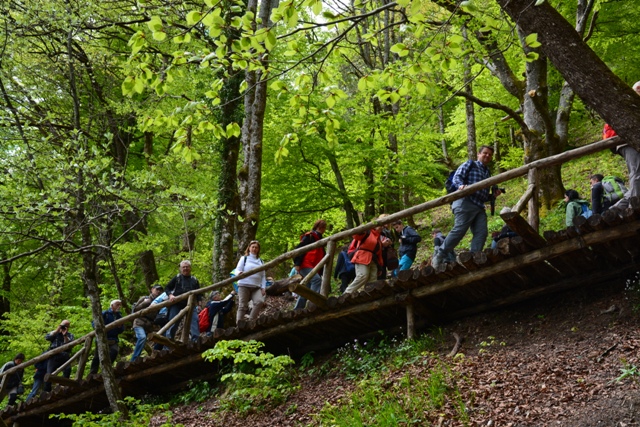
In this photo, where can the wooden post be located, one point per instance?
(314, 297)
(328, 269)
(173, 321)
(534, 204)
(519, 206)
(411, 325)
(68, 362)
(314, 271)
(186, 327)
(82, 363)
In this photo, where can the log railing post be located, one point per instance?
(534, 204)
(411, 325)
(173, 321)
(82, 363)
(186, 327)
(328, 269)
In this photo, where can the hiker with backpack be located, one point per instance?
(181, 284)
(306, 262)
(365, 251)
(345, 270)
(469, 212)
(605, 192)
(575, 207)
(254, 287)
(13, 383)
(632, 159)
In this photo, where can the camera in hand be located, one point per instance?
(502, 190)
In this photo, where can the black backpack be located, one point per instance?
(448, 184)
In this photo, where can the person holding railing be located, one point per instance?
(181, 284)
(59, 337)
(469, 212)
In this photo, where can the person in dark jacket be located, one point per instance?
(409, 239)
(38, 378)
(144, 324)
(598, 202)
(59, 337)
(13, 382)
(181, 284)
(345, 270)
(306, 262)
(110, 315)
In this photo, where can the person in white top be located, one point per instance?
(253, 287)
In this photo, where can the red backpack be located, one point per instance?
(203, 320)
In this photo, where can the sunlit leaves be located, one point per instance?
(400, 49)
(532, 41)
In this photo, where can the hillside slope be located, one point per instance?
(548, 361)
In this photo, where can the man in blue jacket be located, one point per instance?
(409, 239)
(108, 316)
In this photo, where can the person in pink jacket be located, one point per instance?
(367, 256)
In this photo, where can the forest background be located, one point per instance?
(138, 134)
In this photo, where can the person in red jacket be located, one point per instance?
(305, 263)
(367, 257)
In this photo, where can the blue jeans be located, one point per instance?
(403, 264)
(314, 284)
(194, 328)
(38, 382)
(141, 340)
(467, 215)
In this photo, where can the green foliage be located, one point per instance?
(366, 358)
(257, 380)
(197, 391)
(628, 371)
(410, 400)
(140, 415)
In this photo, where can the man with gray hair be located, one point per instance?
(182, 283)
(632, 158)
(110, 315)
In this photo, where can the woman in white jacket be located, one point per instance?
(253, 287)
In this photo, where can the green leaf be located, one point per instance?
(193, 17)
(532, 40)
(539, 2)
(159, 35)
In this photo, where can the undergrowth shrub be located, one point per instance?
(140, 415)
(409, 400)
(257, 380)
(197, 391)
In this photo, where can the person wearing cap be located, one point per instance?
(59, 337)
(144, 324)
(108, 316)
(13, 382)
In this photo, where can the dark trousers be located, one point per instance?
(54, 363)
(113, 353)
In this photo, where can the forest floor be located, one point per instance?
(549, 361)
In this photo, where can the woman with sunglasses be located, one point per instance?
(252, 288)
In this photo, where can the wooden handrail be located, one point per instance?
(441, 201)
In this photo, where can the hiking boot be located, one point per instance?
(437, 260)
(452, 258)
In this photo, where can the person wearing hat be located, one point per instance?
(13, 383)
(144, 324)
(108, 316)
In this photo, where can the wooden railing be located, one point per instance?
(529, 197)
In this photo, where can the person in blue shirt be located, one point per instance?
(469, 212)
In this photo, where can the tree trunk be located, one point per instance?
(351, 214)
(586, 73)
(255, 100)
(470, 114)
